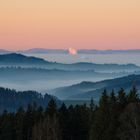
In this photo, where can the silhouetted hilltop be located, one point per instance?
(14, 58)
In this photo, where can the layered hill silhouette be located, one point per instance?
(23, 72)
(14, 59)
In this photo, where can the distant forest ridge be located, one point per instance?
(11, 100)
(87, 90)
(66, 51)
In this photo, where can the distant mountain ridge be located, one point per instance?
(66, 51)
(80, 51)
(3, 51)
(12, 58)
(47, 51)
(92, 51)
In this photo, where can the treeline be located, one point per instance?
(11, 100)
(116, 117)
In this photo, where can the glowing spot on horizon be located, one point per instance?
(72, 51)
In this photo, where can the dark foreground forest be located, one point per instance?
(116, 117)
(11, 100)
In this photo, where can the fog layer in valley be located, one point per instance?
(31, 73)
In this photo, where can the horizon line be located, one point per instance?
(18, 50)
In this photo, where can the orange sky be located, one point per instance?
(92, 24)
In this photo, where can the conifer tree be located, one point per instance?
(133, 96)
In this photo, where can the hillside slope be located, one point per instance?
(87, 90)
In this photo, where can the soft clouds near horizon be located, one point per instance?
(92, 24)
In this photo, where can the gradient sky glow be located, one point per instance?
(92, 24)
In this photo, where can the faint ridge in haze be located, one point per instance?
(3, 51)
(94, 51)
(66, 51)
(47, 51)
(79, 51)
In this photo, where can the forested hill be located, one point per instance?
(14, 58)
(11, 100)
(87, 90)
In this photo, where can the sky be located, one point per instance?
(85, 24)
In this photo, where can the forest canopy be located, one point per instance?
(116, 117)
